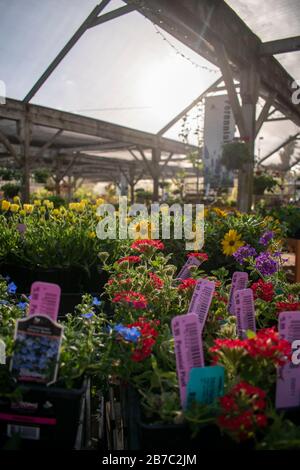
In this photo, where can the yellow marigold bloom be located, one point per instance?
(50, 205)
(231, 242)
(72, 206)
(5, 205)
(14, 207)
(55, 212)
(16, 200)
(206, 212)
(92, 235)
(22, 212)
(28, 208)
(37, 202)
(42, 210)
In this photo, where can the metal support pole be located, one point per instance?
(155, 173)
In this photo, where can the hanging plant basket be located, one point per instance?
(235, 155)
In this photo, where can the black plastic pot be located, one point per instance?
(45, 418)
(74, 282)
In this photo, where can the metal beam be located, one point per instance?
(111, 15)
(189, 107)
(76, 36)
(285, 142)
(280, 46)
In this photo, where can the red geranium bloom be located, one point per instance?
(145, 245)
(156, 281)
(129, 259)
(130, 297)
(263, 290)
(200, 256)
(187, 284)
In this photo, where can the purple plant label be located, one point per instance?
(288, 376)
(188, 348)
(38, 341)
(201, 299)
(239, 281)
(2, 352)
(245, 311)
(185, 270)
(45, 299)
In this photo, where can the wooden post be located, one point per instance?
(155, 173)
(249, 93)
(25, 137)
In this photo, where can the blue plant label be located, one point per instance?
(205, 384)
(2, 352)
(37, 348)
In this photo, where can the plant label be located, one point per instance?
(21, 228)
(201, 299)
(38, 341)
(45, 299)
(188, 348)
(239, 281)
(245, 312)
(288, 376)
(205, 384)
(185, 271)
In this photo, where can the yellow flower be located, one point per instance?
(16, 200)
(92, 235)
(42, 210)
(219, 212)
(48, 204)
(231, 242)
(55, 212)
(99, 201)
(5, 205)
(37, 202)
(22, 212)
(28, 208)
(14, 207)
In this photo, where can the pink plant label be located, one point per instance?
(288, 376)
(188, 349)
(201, 299)
(185, 271)
(245, 311)
(45, 299)
(239, 281)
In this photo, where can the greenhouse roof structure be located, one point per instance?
(133, 70)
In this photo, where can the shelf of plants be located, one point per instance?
(189, 350)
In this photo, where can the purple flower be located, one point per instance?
(244, 252)
(22, 305)
(265, 264)
(266, 237)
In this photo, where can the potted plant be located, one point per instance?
(235, 155)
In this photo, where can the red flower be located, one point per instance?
(265, 344)
(220, 297)
(156, 281)
(147, 339)
(287, 306)
(242, 410)
(130, 297)
(146, 245)
(129, 259)
(200, 256)
(263, 290)
(187, 284)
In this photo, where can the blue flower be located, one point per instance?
(22, 305)
(11, 288)
(88, 315)
(96, 302)
(129, 334)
